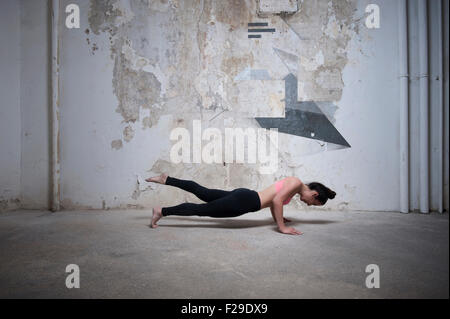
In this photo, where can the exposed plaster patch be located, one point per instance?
(102, 16)
(139, 63)
(138, 81)
(271, 103)
(233, 13)
(140, 187)
(126, 14)
(116, 144)
(324, 29)
(330, 79)
(204, 43)
(311, 64)
(211, 85)
(148, 122)
(128, 133)
(133, 88)
(232, 65)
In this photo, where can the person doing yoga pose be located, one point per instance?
(222, 204)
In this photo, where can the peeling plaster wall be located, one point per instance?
(9, 105)
(135, 70)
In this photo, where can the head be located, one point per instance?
(316, 194)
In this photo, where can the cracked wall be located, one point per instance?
(190, 58)
(136, 70)
(204, 38)
(160, 65)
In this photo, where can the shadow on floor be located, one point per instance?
(236, 223)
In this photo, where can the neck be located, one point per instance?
(303, 189)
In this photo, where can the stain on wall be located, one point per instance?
(9, 204)
(201, 39)
(324, 28)
(182, 58)
(116, 144)
(128, 133)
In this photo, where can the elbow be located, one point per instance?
(277, 202)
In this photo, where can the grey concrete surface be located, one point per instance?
(245, 257)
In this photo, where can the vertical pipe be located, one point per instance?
(445, 68)
(440, 125)
(404, 102)
(55, 205)
(423, 111)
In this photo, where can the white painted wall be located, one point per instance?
(34, 102)
(94, 174)
(10, 127)
(24, 89)
(364, 176)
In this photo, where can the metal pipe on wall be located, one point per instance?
(55, 156)
(440, 126)
(445, 77)
(404, 103)
(423, 111)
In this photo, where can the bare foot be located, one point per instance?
(156, 216)
(161, 179)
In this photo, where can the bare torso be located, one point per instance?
(267, 195)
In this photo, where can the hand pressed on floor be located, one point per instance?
(290, 231)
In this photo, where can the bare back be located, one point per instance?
(268, 194)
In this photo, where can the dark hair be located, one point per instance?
(323, 192)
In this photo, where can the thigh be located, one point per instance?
(232, 205)
(214, 194)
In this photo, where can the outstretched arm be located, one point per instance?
(278, 213)
(272, 211)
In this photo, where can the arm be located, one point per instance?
(277, 208)
(277, 213)
(273, 215)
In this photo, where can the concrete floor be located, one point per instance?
(245, 257)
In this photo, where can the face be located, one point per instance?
(310, 198)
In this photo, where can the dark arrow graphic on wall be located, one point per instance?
(258, 30)
(302, 118)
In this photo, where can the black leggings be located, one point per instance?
(219, 203)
